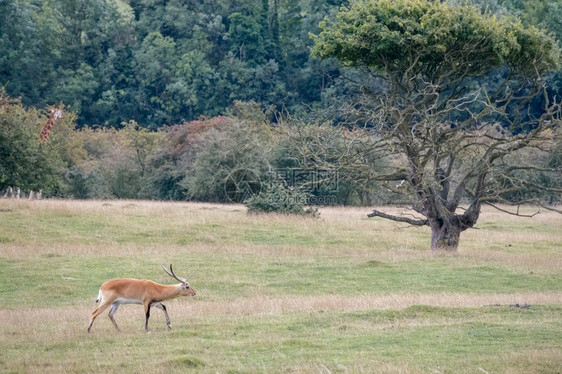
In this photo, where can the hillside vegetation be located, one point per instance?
(164, 62)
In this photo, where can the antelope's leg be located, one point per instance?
(112, 312)
(147, 306)
(103, 306)
(163, 307)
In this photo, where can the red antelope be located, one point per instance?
(139, 291)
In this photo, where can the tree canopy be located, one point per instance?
(161, 62)
(433, 39)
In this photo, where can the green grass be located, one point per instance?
(276, 293)
(498, 339)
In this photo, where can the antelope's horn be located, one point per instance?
(172, 274)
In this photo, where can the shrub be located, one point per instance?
(276, 198)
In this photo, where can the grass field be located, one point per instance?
(338, 294)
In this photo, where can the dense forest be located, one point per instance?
(161, 62)
(165, 62)
(175, 99)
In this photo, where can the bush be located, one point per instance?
(279, 199)
(229, 162)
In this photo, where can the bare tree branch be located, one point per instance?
(414, 222)
(517, 213)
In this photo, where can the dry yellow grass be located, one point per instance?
(261, 305)
(183, 311)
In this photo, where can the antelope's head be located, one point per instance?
(186, 289)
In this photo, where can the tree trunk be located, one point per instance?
(445, 237)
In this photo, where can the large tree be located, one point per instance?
(455, 139)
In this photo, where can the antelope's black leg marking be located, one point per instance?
(147, 317)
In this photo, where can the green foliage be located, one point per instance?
(20, 46)
(227, 159)
(115, 164)
(244, 33)
(277, 198)
(160, 63)
(25, 162)
(542, 13)
(430, 38)
(175, 155)
(188, 94)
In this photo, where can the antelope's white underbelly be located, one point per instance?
(121, 300)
